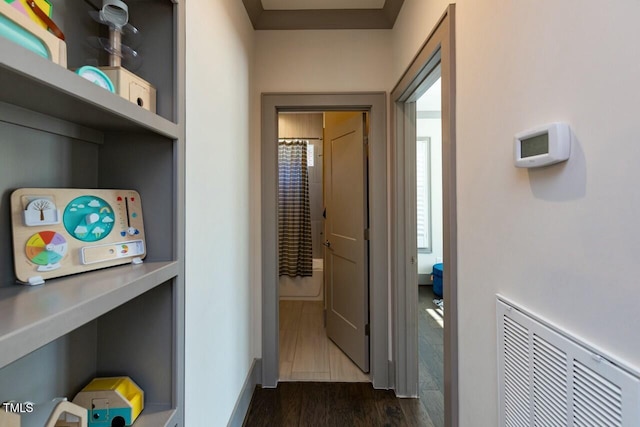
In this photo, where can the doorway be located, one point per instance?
(375, 105)
(429, 238)
(323, 287)
(437, 51)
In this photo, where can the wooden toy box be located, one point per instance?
(131, 87)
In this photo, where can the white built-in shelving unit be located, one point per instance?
(59, 130)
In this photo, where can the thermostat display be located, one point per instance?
(534, 146)
(542, 146)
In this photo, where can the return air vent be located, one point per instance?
(598, 401)
(516, 373)
(547, 378)
(549, 384)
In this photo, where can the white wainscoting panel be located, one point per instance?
(548, 377)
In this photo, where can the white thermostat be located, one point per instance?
(542, 146)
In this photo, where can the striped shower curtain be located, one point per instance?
(294, 213)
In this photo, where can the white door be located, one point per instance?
(346, 252)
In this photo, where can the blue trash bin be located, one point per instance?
(437, 279)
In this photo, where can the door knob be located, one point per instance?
(327, 244)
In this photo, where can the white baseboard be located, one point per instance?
(425, 279)
(244, 399)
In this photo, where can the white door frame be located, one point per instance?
(375, 104)
(438, 48)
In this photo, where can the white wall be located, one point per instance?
(322, 60)
(563, 237)
(430, 102)
(433, 129)
(219, 314)
(415, 20)
(562, 240)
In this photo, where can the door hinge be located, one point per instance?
(365, 139)
(367, 330)
(366, 234)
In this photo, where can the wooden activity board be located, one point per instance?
(58, 231)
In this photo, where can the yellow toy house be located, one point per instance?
(111, 402)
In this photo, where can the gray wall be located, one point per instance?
(34, 158)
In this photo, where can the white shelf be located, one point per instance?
(42, 86)
(156, 416)
(33, 316)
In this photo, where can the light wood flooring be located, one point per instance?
(306, 354)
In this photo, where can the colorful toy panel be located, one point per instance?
(57, 232)
(22, 7)
(114, 401)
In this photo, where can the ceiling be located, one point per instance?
(322, 14)
(321, 4)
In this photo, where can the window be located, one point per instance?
(310, 155)
(423, 175)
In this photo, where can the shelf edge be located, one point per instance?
(156, 416)
(29, 338)
(42, 71)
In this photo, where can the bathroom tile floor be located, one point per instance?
(306, 354)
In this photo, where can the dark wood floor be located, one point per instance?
(430, 356)
(332, 404)
(359, 404)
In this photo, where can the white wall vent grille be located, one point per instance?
(516, 373)
(547, 378)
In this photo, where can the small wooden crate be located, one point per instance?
(131, 87)
(9, 419)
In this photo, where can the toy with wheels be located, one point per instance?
(111, 402)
